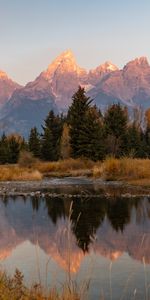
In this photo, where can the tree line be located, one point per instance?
(83, 132)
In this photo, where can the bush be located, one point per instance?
(26, 159)
(65, 165)
(123, 169)
(9, 173)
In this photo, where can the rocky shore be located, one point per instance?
(72, 187)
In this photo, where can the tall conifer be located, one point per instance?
(77, 121)
(51, 136)
(34, 142)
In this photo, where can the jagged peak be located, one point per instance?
(63, 57)
(105, 67)
(142, 60)
(65, 61)
(66, 54)
(139, 61)
(109, 66)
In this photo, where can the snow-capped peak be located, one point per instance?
(97, 74)
(104, 68)
(108, 66)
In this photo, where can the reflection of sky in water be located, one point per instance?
(107, 242)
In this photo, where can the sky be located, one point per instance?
(34, 32)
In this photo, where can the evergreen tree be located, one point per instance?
(144, 151)
(77, 119)
(115, 124)
(93, 135)
(4, 150)
(34, 142)
(24, 145)
(147, 136)
(147, 132)
(10, 147)
(115, 120)
(47, 150)
(136, 145)
(133, 140)
(52, 129)
(13, 150)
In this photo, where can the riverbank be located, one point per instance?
(130, 170)
(72, 187)
(39, 170)
(125, 171)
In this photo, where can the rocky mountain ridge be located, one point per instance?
(23, 107)
(7, 87)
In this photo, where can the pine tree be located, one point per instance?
(24, 145)
(4, 150)
(134, 140)
(13, 150)
(147, 132)
(34, 142)
(93, 135)
(77, 121)
(52, 129)
(47, 149)
(147, 136)
(115, 120)
(115, 124)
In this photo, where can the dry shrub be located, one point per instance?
(135, 168)
(26, 159)
(26, 175)
(9, 173)
(98, 169)
(64, 165)
(111, 168)
(29, 168)
(124, 168)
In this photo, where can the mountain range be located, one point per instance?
(22, 107)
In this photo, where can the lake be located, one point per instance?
(96, 240)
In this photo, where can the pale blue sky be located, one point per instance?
(34, 32)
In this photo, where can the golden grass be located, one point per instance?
(13, 288)
(68, 167)
(14, 172)
(38, 169)
(135, 171)
(123, 169)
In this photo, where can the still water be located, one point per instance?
(102, 241)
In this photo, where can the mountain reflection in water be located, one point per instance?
(106, 227)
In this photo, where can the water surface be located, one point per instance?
(104, 241)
